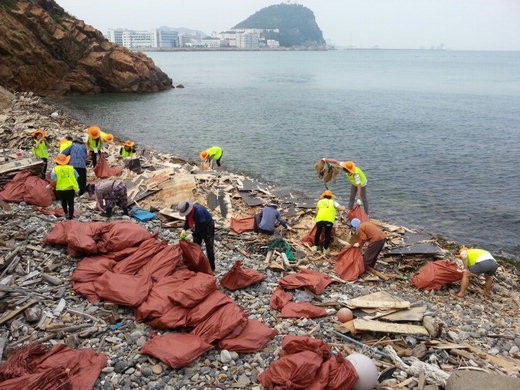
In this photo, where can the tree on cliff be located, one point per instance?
(296, 24)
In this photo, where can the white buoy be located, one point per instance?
(54, 115)
(366, 370)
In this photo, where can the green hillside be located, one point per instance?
(296, 24)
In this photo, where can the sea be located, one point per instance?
(437, 132)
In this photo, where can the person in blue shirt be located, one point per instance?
(268, 217)
(78, 159)
(199, 220)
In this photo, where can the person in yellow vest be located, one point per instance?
(213, 154)
(40, 149)
(476, 262)
(128, 149)
(95, 141)
(325, 217)
(358, 180)
(65, 142)
(65, 179)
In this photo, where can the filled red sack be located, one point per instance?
(145, 251)
(294, 344)
(253, 338)
(238, 277)
(14, 190)
(176, 349)
(280, 298)
(87, 290)
(194, 258)
(309, 238)
(128, 290)
(337, 373)
(436, 274)
(163, 263)
(81, 237)
(121, 234)
(302, 310)
(349, 264)
(207, 307)
(221, 323)
(37, 193)
(242, 225)
(295, 372)
(175, 317)
(103, 170)
(359, 213)
(90, 268)
(315, 281)
(194, 290)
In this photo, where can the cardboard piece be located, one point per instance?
(389, 327)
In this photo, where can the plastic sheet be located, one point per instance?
(436, 274)
(238, 277)
(349, 264)
(313, 280)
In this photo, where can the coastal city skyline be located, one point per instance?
(387, 24)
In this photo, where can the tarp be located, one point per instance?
(238, 277)
(27, 188)
(315, 281)
(103, 170)
(241, 225)
(35, 367)
(142, 215)
(436, 274)
(349, 264)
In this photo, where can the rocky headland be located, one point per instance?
(40, 306)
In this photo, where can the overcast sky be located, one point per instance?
(410, 24)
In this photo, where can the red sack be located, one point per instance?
(349, 264)
(337, 373)
(242, 225)
(121, 234)
(194, 290)
(194, 258)
(207, 307)
(163, 263)
(81, 237)
(253, 338)
(279, 299)
(173, 318)
(295, 372)
(90, 268)
(58, 212)
(309, 238)
(145, 251)
(37, 193)
(359, 213)
(313, 280)
(436, 274)
(128, 290)
(14, 190)
(176, 349)
(294, 344)
(302, 310)
(87, 290)
(103, 170)
(227, 319)
(238, 278)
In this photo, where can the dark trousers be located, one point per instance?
(94, 157)
(43, 173)
(206, 232)
(353, 192)
(320, 226)
(372, 251)
(82, 179)
(67, 202)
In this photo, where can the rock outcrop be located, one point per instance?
(47, 51)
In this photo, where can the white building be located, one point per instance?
(247, 40)
(167, 38)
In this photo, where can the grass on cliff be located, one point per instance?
(8, 4)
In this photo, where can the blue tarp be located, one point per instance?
(142, 215)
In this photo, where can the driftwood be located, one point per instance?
(13, 313)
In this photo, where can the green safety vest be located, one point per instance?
(362, 177)
(65, 178)
(475, 254)
(64, 145)
(127, 153)
(94, 143)
(326, 211)
(214, 152)
(40, 149)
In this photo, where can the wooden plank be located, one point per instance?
(20, 164)
(411, 314)
(378, 300)
(389, 327)
(13, 313)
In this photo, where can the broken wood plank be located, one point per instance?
(378, 300)
(389, 327)
(411, 314)
(13, 313)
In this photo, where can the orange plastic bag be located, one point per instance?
(279, 299)
(176, 349)
(103, 170)
(302, 310)
(253, 338)
(242, 225)
(349, 264)
(315, 281)
(238, 277)
(437, 274)
(194, 258)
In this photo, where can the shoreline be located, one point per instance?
(474, 321)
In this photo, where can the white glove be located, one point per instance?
(356, 245)
(359, 202)
(48, 186)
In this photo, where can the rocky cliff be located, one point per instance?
(45, 50)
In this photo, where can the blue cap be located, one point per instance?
(355, 222)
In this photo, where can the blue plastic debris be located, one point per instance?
(142, 215)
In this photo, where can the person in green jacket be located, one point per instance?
(476, 262)
(325, 217)
(213, 154)
(40, 149)
(65, 179)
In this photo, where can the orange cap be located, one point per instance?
(349, 166)
(129, 144)
(62, 159)
(94, 132)
(39, 131)
(327, 193)
(108, 138)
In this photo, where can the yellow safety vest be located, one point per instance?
(65, 178)
(127, 153)
(214, 152)
(40, 149)
(326, 211)
(362, 177)
(94, 144)
(475, 254)
(64, 145)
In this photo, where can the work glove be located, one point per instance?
(48, 186)
(359, 202)
(356, 245)
(186, 235)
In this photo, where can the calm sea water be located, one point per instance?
(436, 132)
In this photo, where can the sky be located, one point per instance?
(388, 24)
